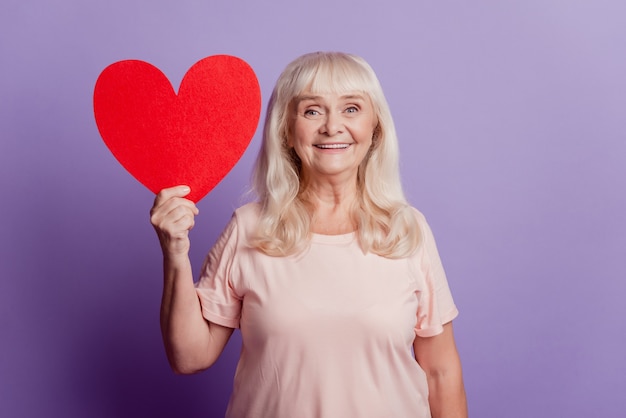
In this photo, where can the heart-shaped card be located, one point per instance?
(166, 139)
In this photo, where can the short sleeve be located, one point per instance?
(436, 306)
(219, 300)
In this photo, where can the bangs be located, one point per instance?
(335, 73)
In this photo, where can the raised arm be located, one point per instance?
(439, 358)
(192, 343)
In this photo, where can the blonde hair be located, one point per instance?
(386, 224)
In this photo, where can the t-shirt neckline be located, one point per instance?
(333, 239)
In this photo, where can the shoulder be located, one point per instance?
(249, 211)
(238, 230)
(419, 216)
(420, 222)
(246, 218)
(427, 239)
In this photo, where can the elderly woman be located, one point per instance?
(332, 277)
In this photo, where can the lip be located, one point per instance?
(332, 146)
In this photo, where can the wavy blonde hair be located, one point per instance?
(386, 224)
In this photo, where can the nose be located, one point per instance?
(333, 124)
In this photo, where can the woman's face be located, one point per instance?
(332, 133)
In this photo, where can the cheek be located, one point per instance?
(299, 135)
(366, 134)
(368, 127)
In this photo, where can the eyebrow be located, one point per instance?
(350, 96)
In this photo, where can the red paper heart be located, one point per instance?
(193, 138)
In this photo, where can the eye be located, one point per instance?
(351, 109)
(312, 113)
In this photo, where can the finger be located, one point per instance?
(170, 192)
(185, 222)
(171, 211)
(180, 212)
(168, 199)
(174, 203)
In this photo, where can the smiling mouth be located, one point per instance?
(332, 146)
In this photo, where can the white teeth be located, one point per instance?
(332, 146)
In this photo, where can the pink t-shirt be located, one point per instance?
(327, 333)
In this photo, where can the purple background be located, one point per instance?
(511, 117)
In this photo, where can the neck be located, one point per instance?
(332, 206)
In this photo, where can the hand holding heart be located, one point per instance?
(172, 217)
(166, 139)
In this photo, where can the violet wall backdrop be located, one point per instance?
(512, 122)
